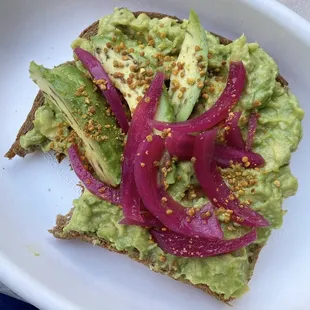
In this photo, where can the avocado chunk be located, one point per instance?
(189, 74)
(166, 34)
(87, 112)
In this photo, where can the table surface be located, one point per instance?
(302, 7)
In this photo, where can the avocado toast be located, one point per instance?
(278, 111)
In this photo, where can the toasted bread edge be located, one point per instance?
(63, 220)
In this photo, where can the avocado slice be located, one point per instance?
(131, 66)
(189, 74)
(165, 111)
(87, 113)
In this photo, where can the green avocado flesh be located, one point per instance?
(85, 111)
(160, 45)
(193, 62)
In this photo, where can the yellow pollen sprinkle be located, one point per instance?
(245, 159)
(190, 81)
(164, 199)
(191, 212)
(149, 138)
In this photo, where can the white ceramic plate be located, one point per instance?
(74, 275)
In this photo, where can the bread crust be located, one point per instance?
(63, 220)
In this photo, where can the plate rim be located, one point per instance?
(19, 281)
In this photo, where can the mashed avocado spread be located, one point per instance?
(158, 43)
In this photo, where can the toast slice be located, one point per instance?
(63, 220)
(16, 148)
